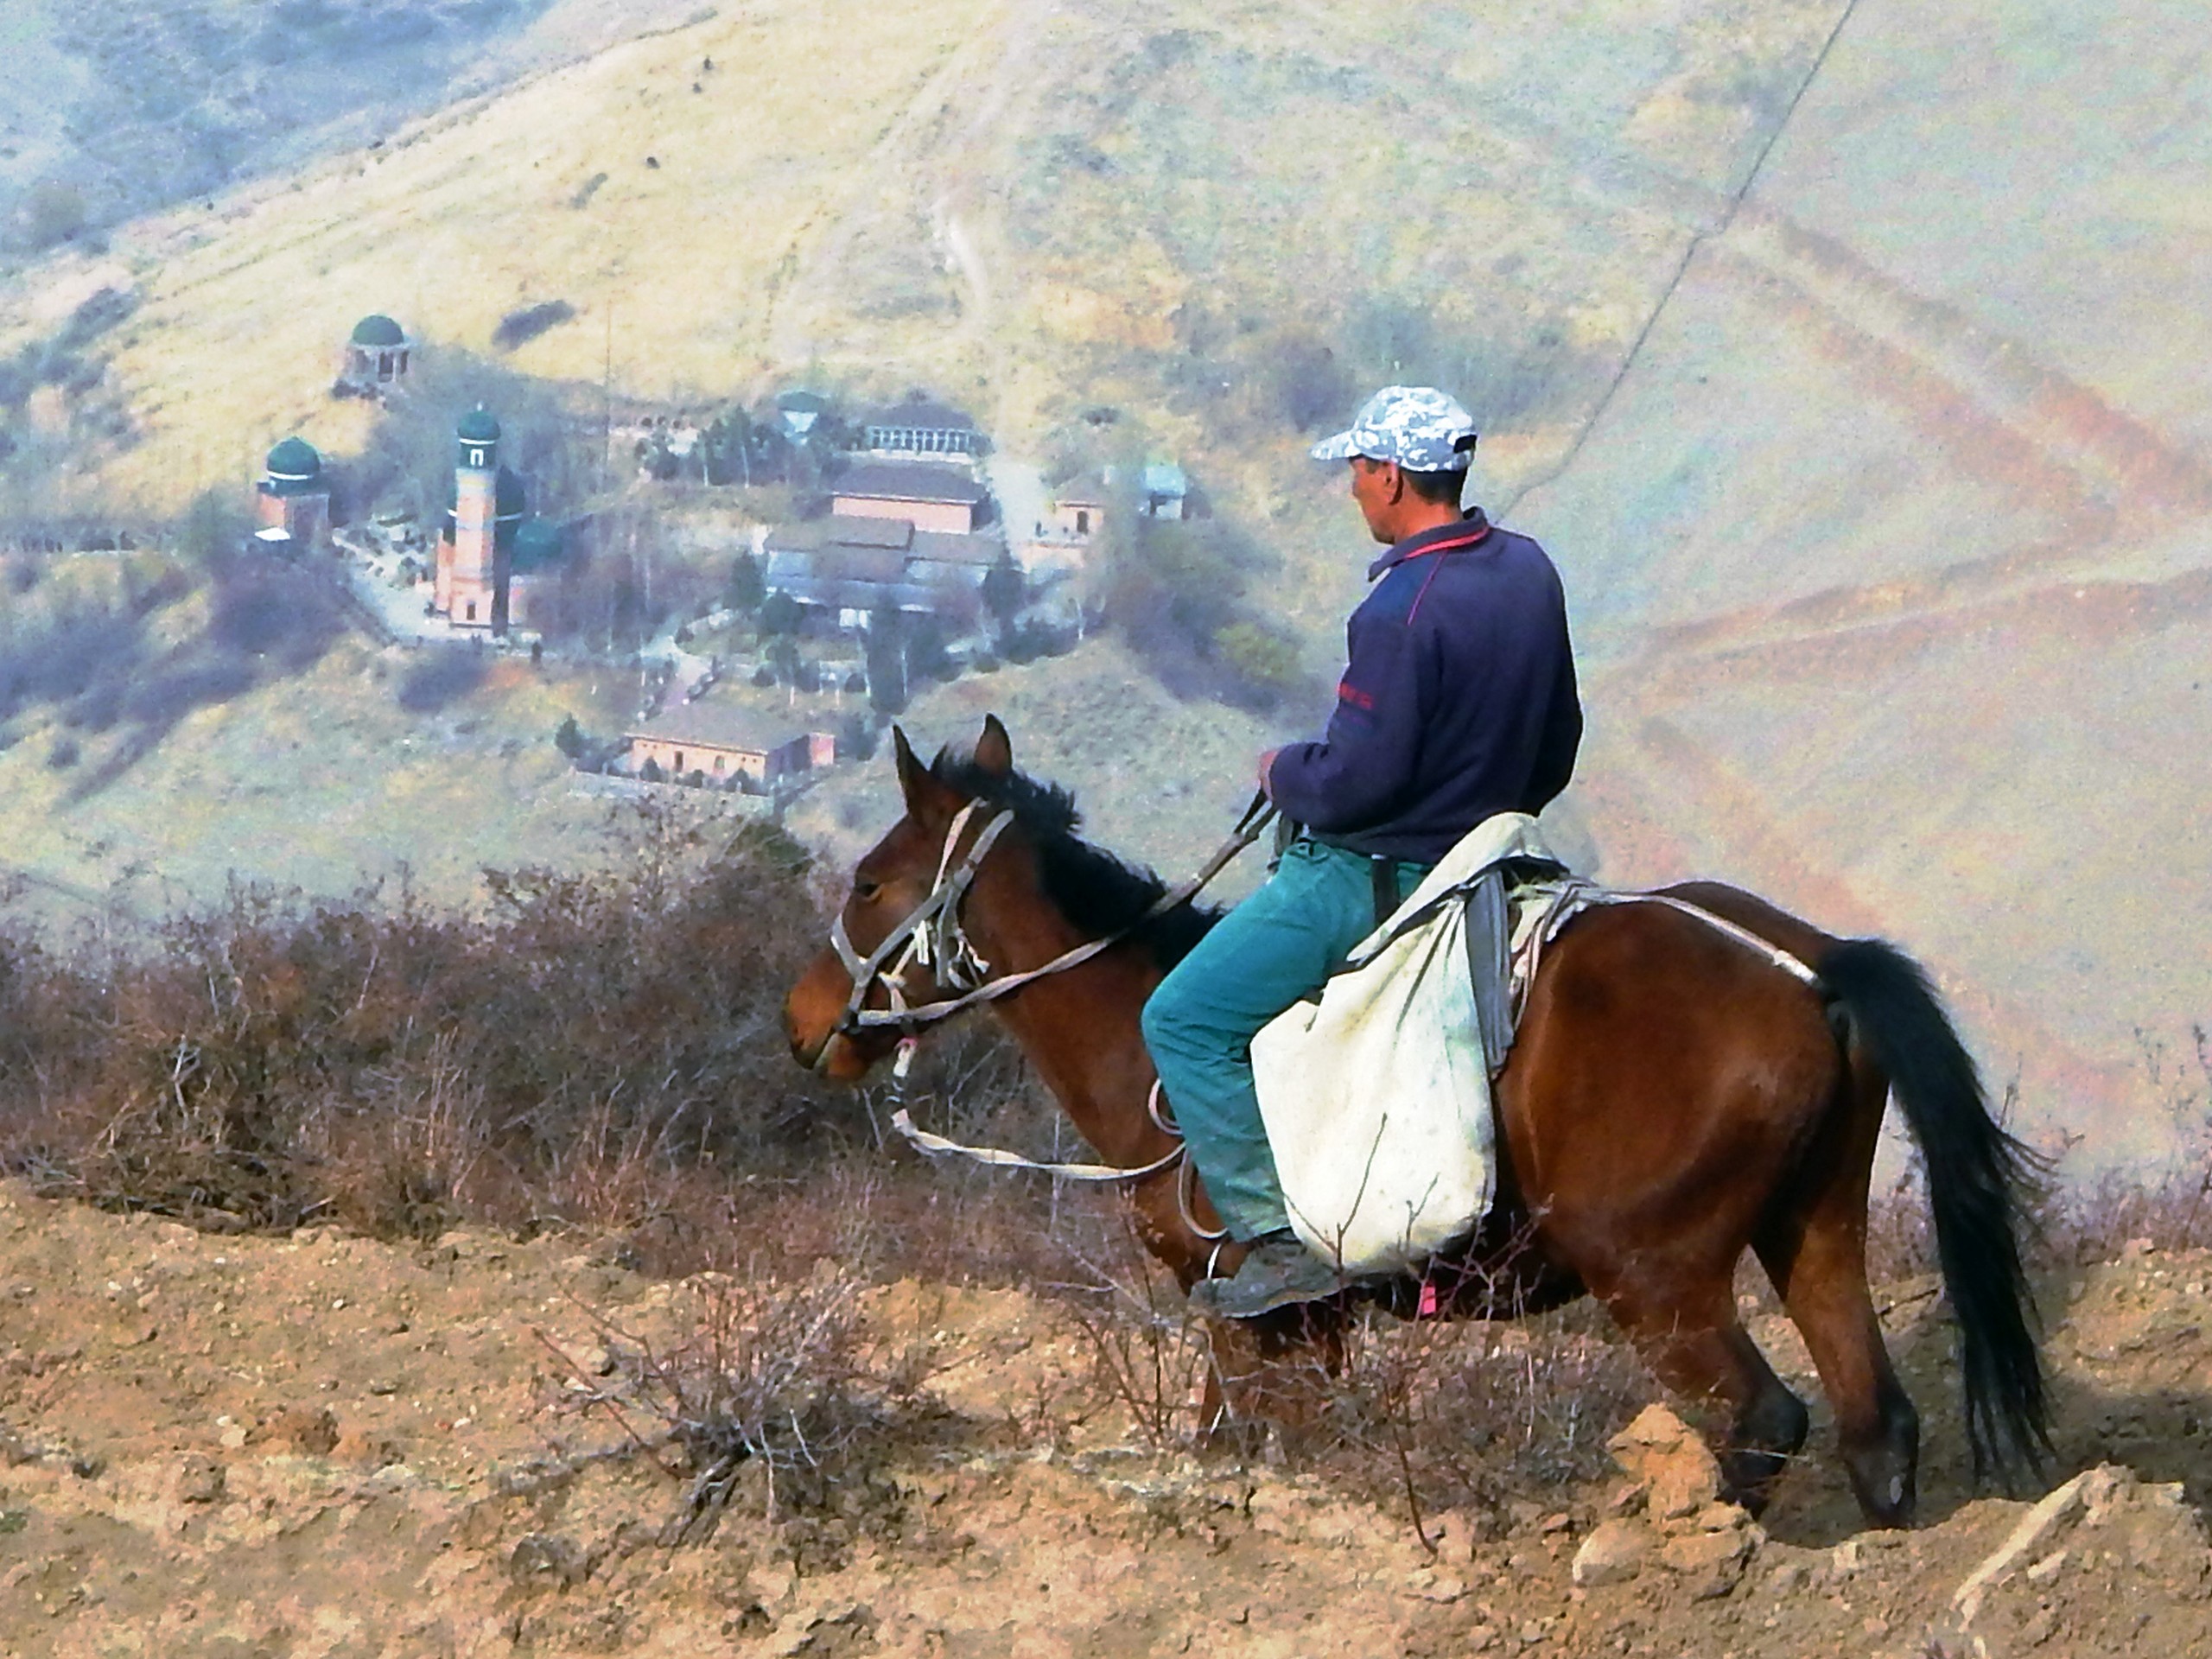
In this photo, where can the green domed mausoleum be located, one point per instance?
(293, 469)
(377, 355)
(292, 502)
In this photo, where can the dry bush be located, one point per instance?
(1900, 1232)
(520, 326)
(113, 651)
(601, 1049)
(1148, 1351)
(1180, 592)
(1478, 1414)
(2171, 1204)
(2079, 1219)
(1424, 1414)
(772, 1382)
(1483, 1415)
(573, 1055)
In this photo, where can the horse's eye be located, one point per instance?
(865, 891)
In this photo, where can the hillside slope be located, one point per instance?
(109, 113)
(1886, 547)
(321, 1444)
(1897, 534)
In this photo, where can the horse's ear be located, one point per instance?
(928, 801)
(995, 749)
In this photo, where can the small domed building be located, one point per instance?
(498, 568)
(377, 355)
(292, 501)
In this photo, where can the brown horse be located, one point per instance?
(1673, 1098)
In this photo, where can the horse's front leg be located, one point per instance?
(1273, 1373)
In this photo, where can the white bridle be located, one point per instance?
(931, 938)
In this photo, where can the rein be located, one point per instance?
(931, 936)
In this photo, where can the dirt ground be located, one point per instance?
(324, 1445)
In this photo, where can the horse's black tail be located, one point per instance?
(1979, 1180)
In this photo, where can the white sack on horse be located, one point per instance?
(1376, 1098)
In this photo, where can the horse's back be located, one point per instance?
(1665, 1079)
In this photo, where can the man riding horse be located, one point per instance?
(1457, 702)
(1695, 1073)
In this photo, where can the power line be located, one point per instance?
(1681, 269)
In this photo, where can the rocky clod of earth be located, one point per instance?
(1669, 1513)
(324, 1446)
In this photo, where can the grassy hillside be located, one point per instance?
(1844, 356)
(1041, 211)
(109, 113)
(160, 732)
(1898, 537)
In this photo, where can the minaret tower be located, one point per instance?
(471, 580)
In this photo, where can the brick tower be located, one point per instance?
(469, 585)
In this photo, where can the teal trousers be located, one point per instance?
(1275, 948)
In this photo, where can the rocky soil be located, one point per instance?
(324, 1445)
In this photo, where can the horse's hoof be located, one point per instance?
(1240, 1439)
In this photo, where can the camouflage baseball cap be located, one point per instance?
(1423, 429)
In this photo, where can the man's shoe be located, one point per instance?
(1277, 1271)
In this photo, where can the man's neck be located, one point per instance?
(1415, 516)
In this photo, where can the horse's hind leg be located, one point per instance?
(1816, 1256)
(1697, 1350)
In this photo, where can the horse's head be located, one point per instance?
(899, 940)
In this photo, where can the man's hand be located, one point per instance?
(1267, 763)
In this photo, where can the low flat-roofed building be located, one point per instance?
(852, 567)
(939, 558)
(1078, 508)
(726, 743)
(926, 496)
(920, 426)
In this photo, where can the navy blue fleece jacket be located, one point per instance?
(1458, 699)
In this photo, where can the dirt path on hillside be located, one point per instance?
(326, 1445)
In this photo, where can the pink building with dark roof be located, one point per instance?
(927, 497)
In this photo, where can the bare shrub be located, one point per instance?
(582, 1052)
(1478, 1415)
(1900, 1232)
(2168, 1204)
(1176, 591)
(1148, 1353)
(1311, 388)
(773, 1379)
(1423, 1414)
(94, 646)
(2082, 1217)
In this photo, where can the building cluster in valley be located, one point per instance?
(903, 524)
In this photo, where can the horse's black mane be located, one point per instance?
(1095, 890)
